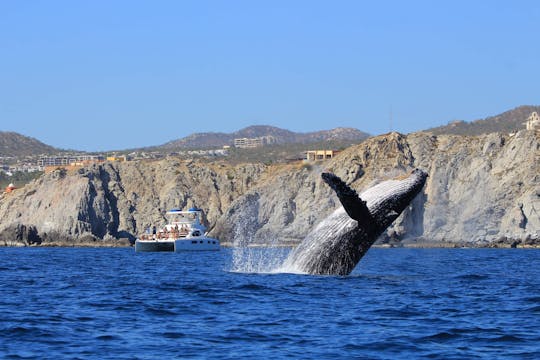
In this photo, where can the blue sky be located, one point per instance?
(103, 75)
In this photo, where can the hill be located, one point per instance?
(15, 145)
(507, 122)
(281, 136)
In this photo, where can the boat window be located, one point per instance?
(201, 241)
(194, 241)
(213, 242)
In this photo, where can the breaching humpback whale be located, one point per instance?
(337, 244)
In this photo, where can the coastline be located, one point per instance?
(445, 245)
(64, 244)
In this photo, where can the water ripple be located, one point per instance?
(398, 303)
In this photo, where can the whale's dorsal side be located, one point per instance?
(355, 207)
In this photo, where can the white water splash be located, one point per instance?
(248, 258)
(260, 260)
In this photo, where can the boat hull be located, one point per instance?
(196, 244)
(154, 245)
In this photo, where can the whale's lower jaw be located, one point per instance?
(336, 245)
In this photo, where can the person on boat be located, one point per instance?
(184, 230)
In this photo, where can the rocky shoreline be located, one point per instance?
(517, 244)
(28, 236)
(413, 244)
(420, 245)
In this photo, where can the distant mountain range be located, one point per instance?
(13, 144)
(507, 122)
(281, 136)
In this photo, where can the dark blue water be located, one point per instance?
(397, 304)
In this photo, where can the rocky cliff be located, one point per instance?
(482, 190)
(103, 203)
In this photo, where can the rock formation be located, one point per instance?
(482, 190)
(102, 203)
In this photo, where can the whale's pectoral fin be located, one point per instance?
(355, 207)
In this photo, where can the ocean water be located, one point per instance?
(397, 304)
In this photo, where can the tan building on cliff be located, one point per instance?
(121, 158)
(318, 155)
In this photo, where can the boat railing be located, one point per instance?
(166, 234)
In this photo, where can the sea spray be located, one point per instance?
(259, 260)
(246, 256)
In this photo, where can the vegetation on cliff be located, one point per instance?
(508, 122)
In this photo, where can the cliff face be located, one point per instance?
(102, 203)
(481, 190)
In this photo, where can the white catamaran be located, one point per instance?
(183, 232)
